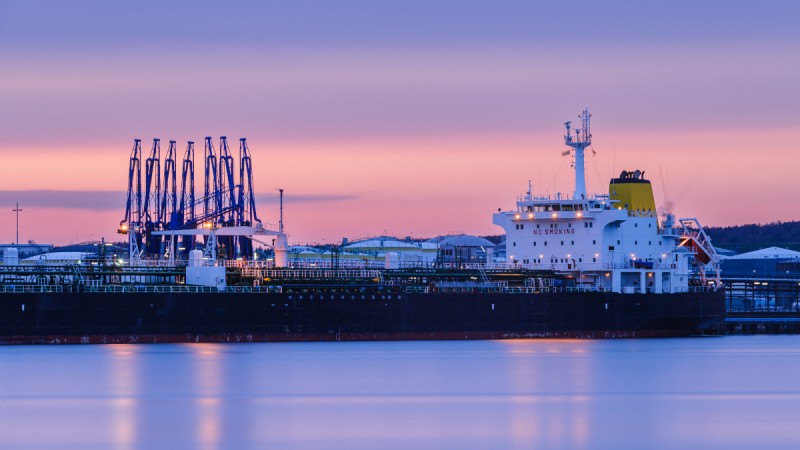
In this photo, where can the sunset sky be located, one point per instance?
(408, 117)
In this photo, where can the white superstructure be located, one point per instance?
(610, 242)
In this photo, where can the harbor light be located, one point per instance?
(516, 216)
(579, 214)
(530, 215)
(555, 215)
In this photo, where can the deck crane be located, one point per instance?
(187, 202)
(153, 216)
(132, 222)
(227, 189)
(247, 215)
(212, 200)
(247, 199)
(169, 199)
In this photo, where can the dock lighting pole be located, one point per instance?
(280, 221)
(17, 210)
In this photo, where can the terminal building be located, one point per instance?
(763, 280)
(458, 250)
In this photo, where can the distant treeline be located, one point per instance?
(743, 238)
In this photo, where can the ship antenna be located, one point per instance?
(581, 140)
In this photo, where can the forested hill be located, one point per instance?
(745, 238)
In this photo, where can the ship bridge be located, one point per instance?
(606, 241)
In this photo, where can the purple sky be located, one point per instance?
(329, 93)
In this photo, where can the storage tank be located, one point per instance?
(392, 260)
(195, 258)
(281, 251)
(11, 256)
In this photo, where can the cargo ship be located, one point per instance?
(576, 266)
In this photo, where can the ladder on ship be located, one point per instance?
(482, 271)
(695, 238)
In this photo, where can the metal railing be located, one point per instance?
(155, 289)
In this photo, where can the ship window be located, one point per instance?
(659, 242)
(611, 248)
(545, 242)
(636, 225)
(537, 226)
(594, 259)
(522, 226)
(569, 225)
(649, 242)
(562, 242)
(580, 259)
(585, 224)
(571, 242)
(594, 242)
(514, 244)
(534, 243)
(635, 242)
(617, 241)
(649, 225)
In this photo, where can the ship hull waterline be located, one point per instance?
(41, 318)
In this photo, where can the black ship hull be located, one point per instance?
(86, 317)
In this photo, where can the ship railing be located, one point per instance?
(560, 197)
(159, 263)
(248, 264)
(327, 263)
(182, 289)
(32, 289)
(320, 273)
(342, 263)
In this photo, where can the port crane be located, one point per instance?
(155, 206)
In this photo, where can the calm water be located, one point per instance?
(710, 393)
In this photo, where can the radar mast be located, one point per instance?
(579, 142)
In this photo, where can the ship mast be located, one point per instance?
(579, 142)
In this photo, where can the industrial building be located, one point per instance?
(459, 250)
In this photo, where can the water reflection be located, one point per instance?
(124, 384)
(207, 369)
(726, 393)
